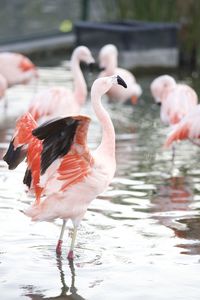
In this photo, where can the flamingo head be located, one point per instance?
(83, 54)
(102, 85)
(161, 86)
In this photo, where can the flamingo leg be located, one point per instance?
(60, 241)
(5, 103)
(173, 153)
(71, 251)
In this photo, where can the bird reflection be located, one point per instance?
(192, 234)
(176, 195)
(67, 292)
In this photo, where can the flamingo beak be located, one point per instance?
(120, 81)
(101, 67)
(92, 66)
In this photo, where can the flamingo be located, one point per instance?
(71, 175)
(108, 57)
(161, 86)
(176, 100)
(17, 68)
(60, 101)
(188, 128)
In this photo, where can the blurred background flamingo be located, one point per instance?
(187, 129)
(61, 101)
(71, 176)
(108, 61)
(17, 68)
(176, 99)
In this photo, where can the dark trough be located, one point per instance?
(149, 39)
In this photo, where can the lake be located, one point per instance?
(138, 240)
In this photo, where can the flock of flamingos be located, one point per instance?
(62, 173)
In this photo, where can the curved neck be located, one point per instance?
(107, 145)
(80, 87)
(112, 65)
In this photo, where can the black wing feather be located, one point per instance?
(27, 178)
(14, 157)
(57, 136)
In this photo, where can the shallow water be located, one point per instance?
(139, 240)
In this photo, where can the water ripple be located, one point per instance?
(134, 237)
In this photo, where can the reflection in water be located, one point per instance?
(191, 233)
(172, 199)
(174, 195)
(67, 292)
(140, 228)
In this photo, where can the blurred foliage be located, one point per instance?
(186, 12)
(66, 26)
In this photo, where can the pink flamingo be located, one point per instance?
(188, 128)
(108, 61)
(161, 86)
(60, 101)
(71, 175)
(176, 100)
(17, 68)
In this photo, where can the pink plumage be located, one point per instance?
(17, 68)
(177, 100)
(70, 175)
(60, 101)
(188, 128)
(108, 61)
(161, 87)
(3, 86)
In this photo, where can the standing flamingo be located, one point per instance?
(60, 101)
(108, 61)
(71, 175)
(176, 100)
(17, 68)
(188, 128)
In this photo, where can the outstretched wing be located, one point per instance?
(66, 139)
(13, 157)
(77, 164)
(17, 149)
(57, 137)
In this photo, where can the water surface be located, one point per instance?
(139, 240)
